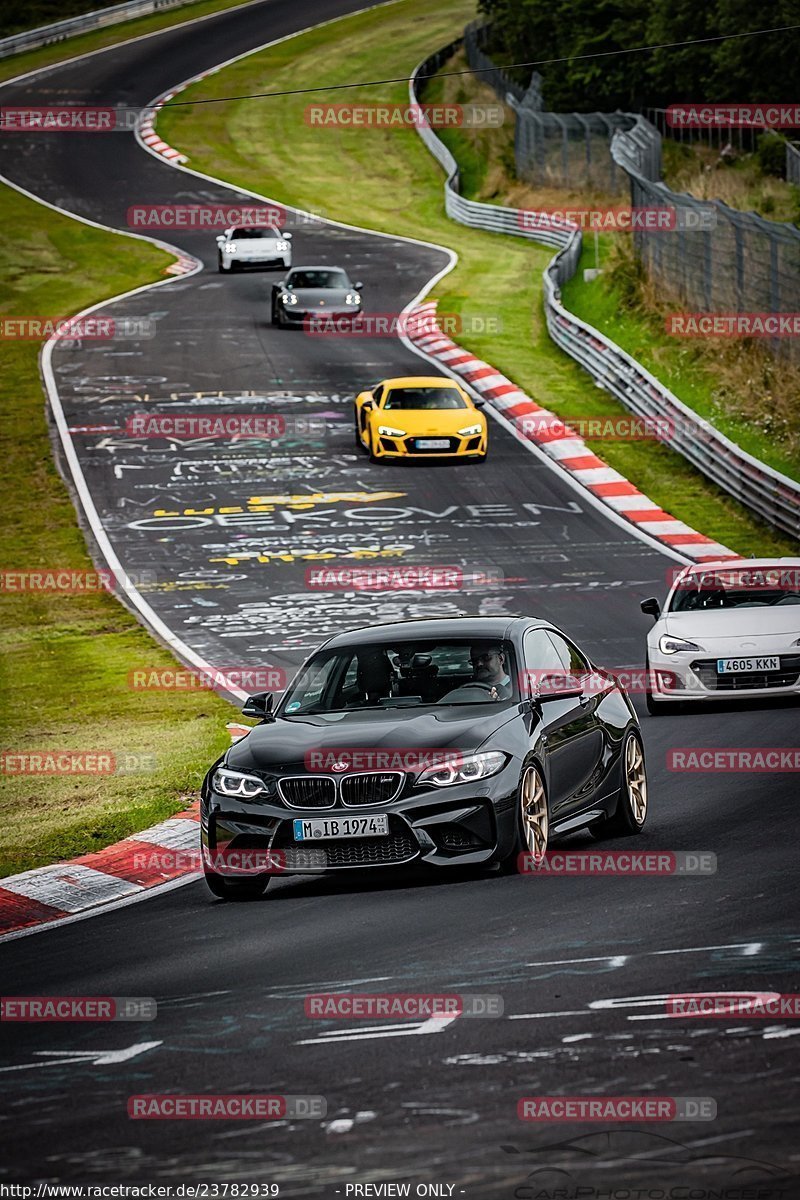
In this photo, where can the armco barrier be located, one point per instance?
(767, 492)
(45, 35)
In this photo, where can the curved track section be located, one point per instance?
(226, 533)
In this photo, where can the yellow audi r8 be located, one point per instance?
(419, 417)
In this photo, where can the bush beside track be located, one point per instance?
(66, 658)
(386, 180)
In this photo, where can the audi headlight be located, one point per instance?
(230, 247)
(470, 429)
(468, 769)
(288, 298)
(390, 431)
(352, 298)
(672, 645)
(236, 783)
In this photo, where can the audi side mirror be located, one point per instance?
(651, 607)
(259, 706)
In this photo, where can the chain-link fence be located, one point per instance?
(711, 258)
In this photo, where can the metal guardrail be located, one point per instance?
(59, 31)
(793, 162)
(767, 492)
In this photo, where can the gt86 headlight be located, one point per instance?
(673, 645)
(467, 769)
(237, 783)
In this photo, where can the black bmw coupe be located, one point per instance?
(441, 741)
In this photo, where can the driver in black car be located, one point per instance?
(489, 668)
(490, 680)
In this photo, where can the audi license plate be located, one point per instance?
(433, 443)
(744, 666)
(340, 827)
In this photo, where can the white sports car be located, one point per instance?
(253, 248)
(727, 630)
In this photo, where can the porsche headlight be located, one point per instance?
(230, 247)
(390, 431)
(281, 247)
(469, 430)
(236, 783)
(288, 298)
(672, 645)
(352, 298)
(468, 769)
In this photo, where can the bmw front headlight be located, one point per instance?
(237, 783)
(470, 430)
(673, 645)
(466, 769)
(288, 298)
(390, 431)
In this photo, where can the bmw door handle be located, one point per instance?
(583, 700)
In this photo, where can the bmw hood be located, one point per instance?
(355, 736)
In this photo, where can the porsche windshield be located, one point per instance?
(251, 232)
(737, 587)
(318, 279)
(424, 397)
(403, 674)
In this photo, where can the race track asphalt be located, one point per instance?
(436, 1106)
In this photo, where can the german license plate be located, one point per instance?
(433, 443)
(744, 666)
(340, 827)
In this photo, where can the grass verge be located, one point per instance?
(387, 180)
(66, 659)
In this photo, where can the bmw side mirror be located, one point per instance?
(651, 607)
(259, 706)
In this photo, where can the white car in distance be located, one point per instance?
(254, 248)
(728, 631)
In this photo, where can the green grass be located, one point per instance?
(66, 659)
(387, 180)
(45, 56)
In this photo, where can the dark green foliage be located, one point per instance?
(741, 69)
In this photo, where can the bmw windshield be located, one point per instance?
(390, 675)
